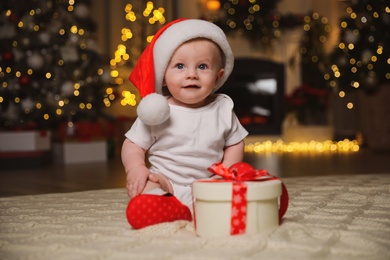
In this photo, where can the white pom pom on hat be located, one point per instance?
(153, 108)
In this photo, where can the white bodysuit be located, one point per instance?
(190, 141)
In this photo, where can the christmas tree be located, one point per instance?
(309, 101)
(361, 59)
(51, 68)
(257, 20)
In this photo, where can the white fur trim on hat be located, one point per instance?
(183, 31)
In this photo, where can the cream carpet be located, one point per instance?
(334, 217)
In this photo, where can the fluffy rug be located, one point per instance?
(334, 217)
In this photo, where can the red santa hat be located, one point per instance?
(148, 74)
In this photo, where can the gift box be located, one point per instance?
(246, 204)
(25, 141)
(24, 149)
(71, 152)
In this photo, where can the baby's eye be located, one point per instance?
(180, 65)
(202, 66)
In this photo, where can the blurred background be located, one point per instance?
(311, 78)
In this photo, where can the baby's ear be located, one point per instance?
(220, 74)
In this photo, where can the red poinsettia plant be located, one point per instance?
(309, 104)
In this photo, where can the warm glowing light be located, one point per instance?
(109, 91)
(119, 55)
(299, 147)
(114, 73)
(73, 29)
(213, 5)
(379, 50)
(126, 34)
(128, 99)
(149, 38)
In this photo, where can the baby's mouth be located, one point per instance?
(191, 87)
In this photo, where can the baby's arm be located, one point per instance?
(233, 154)
(133, 159)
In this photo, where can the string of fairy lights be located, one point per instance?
(129, 52)
(327, 146)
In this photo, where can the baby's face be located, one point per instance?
(193, 71)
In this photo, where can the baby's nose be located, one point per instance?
(192, 73)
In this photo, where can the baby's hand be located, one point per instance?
(162, 180)
(136, 180)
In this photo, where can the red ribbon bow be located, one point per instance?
(238, 173)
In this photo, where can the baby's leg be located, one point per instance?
(153, 188)
(156, 204)
(158, 181)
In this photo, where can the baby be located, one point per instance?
(183, 126)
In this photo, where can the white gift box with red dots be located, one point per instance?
(219, 210)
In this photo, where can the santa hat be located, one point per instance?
(148, 74)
